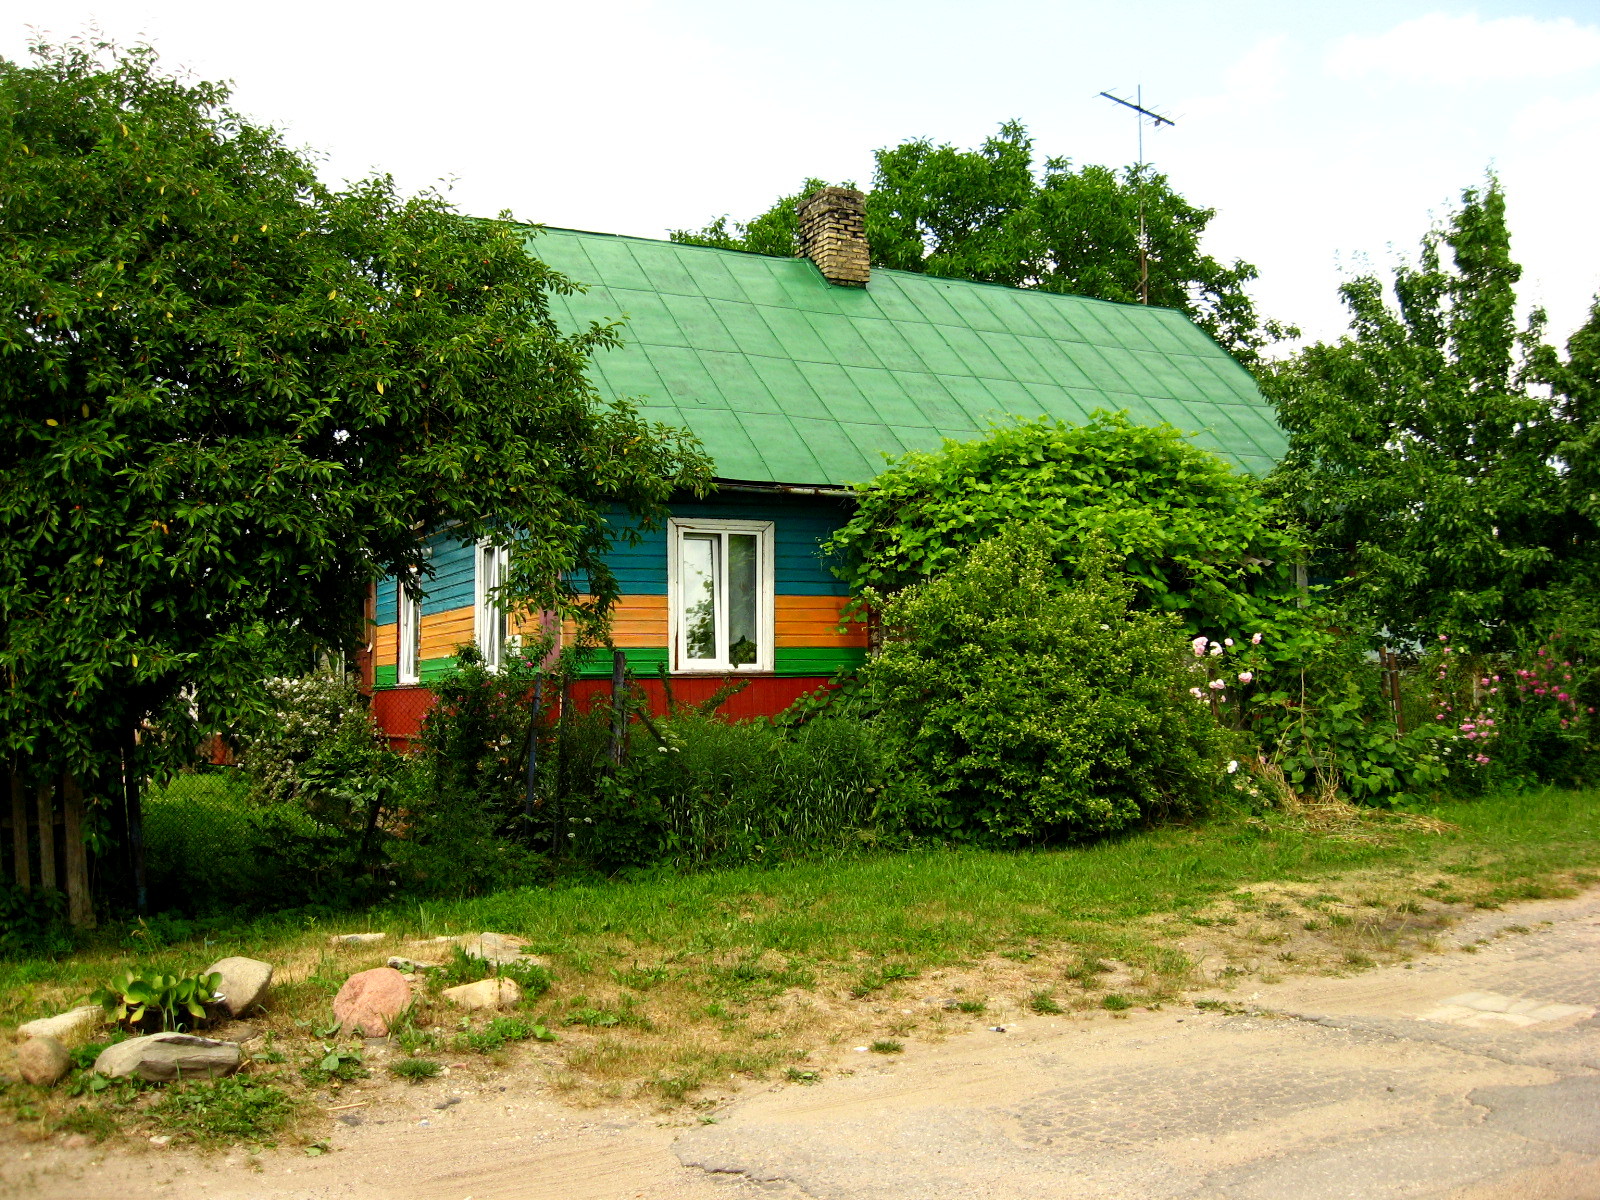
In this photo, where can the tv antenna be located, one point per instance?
(1156, 121)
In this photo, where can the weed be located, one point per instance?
(873, 981)
(500, 1031)
(333, 1065)
(93, 1122)
(1354, 958)
(887, 1046)
(971, 1006)
(1044, 1004)
(414, 1070)
(236, 1109)
(801, 1075)
(1115, 1002)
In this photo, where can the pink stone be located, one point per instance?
(370, 1000)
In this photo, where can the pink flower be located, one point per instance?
(1447, 649)
(1492, 691)
(1482, 760)
(1199, 645)
(1246, 676)
(1197, 693)
(1568, 678)
(1470, 736)
(1216, 685)
(1255, 639)
(1438, 716)
(1497, 679)
(1227, 641)
(1467, 726)
(1563, 722)
(1561, 696)
(1442, 638)
(1541, 652)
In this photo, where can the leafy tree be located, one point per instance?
(1443, 459)
(989, 214)
(233, 396)
(1192, 535)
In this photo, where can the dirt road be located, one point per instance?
(1460, 1075)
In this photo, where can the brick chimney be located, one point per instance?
(833, 235)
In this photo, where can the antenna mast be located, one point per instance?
(1156, 120)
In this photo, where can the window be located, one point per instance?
(489, 618)
(410, 618)
(719, 586)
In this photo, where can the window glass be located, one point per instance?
(700, 596)
(491, 616)
(743, 596)
(410, 609)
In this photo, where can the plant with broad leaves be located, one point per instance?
(143, 996)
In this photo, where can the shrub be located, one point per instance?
(1190, 533)
(1037, 709)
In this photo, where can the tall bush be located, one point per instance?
(1034, 707)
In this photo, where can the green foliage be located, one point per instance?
(1044, 1004)
(1033, 709)
(502, 1031)
(32, 923)
(887, 1046)
(1439, 455)
(144, 996)
(694, 789)
(330, 1064)
(1195, 537)
(414, 1070)
(221, 1111)
(234, 396)
(993, 215)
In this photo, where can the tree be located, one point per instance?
(1191, 535)
(1438, 454)
(988, 214)
(233, 397)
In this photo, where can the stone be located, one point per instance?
(42, 1061)
(412, 965)
(244, 983)
(486, 993)
(496, 948)
(356, 939)
(370, 1000)
(163, 1057)
(76, 1024)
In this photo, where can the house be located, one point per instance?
(798, 375)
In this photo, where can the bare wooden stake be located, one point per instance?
(45, 804)
(80, 906)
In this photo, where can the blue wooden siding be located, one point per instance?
(799, 527)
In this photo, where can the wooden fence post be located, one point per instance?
(19, 834)
(80, 907)
(619, 706)
(45, 805)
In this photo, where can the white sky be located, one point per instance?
(1326, 136)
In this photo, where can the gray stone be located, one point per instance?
(163, 1057)
(370, 1000)
(42, 1061)
(74, 1025)
(486, 993)
(497, 948)
(244, 983)
(356, 939)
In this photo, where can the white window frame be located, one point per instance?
(765, 602)
(408, 617)
(487, 613)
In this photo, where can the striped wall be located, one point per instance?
(808, 604)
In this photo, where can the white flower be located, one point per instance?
(1227, 641)
(1255, 640)
(1199, 645)
(1233, 765)
(1197, 693)
(1215, 649)
(1246, 676)
(1216, 685)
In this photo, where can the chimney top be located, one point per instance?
(833, 235)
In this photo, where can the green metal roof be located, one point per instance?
(787, 378)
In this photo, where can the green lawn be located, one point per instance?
(667, 982)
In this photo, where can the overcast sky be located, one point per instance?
(1326, 136)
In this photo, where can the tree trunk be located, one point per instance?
(80, 907)
(21, 869)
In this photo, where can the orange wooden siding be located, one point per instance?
(636, 622)
(443, 632)
(814, 621)
(386, 646)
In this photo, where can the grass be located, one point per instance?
(664, 987)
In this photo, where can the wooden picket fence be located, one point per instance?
(42, 846)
